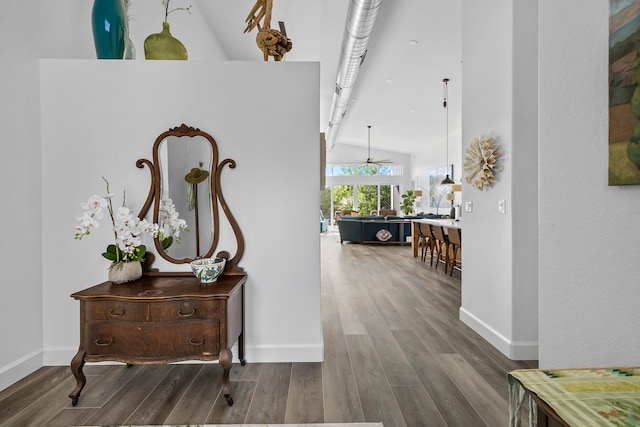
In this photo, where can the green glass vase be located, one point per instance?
(164, 46)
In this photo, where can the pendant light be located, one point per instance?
(445, 103)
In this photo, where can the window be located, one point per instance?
(342, 197)
(363, 170)
(369, 198)
(366, 188)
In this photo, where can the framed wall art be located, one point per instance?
(624, 92)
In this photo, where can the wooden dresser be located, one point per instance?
(161, 319)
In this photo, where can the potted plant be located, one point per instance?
(408, 199)
(128, 251)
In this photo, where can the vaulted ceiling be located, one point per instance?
(399, 89)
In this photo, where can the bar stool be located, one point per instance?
(455, 246)
(427, 241)
(442, 243)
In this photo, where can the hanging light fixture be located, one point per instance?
(447, 180)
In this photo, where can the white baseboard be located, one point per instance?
(255, 354)
(276, 354)
(19, 369)
(59, 357)
(514, 350)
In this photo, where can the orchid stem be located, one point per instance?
(113, 221)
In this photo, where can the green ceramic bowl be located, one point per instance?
(208, 269)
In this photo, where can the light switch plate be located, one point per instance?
(502, 206)
(468, 206)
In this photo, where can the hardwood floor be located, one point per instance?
(395, 352)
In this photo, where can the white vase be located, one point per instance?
(125, 272)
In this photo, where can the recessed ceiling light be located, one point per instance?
(413, 110)
(413, 42)
(388, 81)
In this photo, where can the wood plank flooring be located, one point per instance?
(395, 352)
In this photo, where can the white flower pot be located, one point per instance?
(125, 272)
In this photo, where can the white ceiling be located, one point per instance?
(399, 91)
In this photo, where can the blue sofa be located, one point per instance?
(364, 229)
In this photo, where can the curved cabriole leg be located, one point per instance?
(76, 369)
(243, 361)
(229, 400)
(225, 361)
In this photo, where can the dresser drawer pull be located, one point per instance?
(103, 344)
(112, 313)
(181, 314)
(192, 342)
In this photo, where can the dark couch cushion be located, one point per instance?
(360, 229)
(350, 230)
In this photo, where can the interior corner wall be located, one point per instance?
(589, 238)
(493, 289)
(524, 194)
(487, 110)
(100, 117)
(21, 349)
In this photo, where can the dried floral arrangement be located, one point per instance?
(480, 162)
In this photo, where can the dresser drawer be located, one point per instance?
(116, 310)
(168, 311)
(148, 341)
(160, 311)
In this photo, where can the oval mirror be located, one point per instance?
(186, 194)
(183, 192)
(185, 214)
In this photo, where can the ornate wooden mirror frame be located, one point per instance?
(186, 133)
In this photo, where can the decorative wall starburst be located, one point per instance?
(480, 162)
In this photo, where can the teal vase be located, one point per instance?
(164, 46)
(110, 28)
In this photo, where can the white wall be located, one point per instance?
(524, 194)
(589, 238)
(62, 29)
(498, 289)
(145, 18)
(487, 110)
(349, 154)
(587, 290)
(20, 183)
(435, 154)
(30, 30)
(588, 281)
(91, 130)
(76, 115)
(434, 157)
